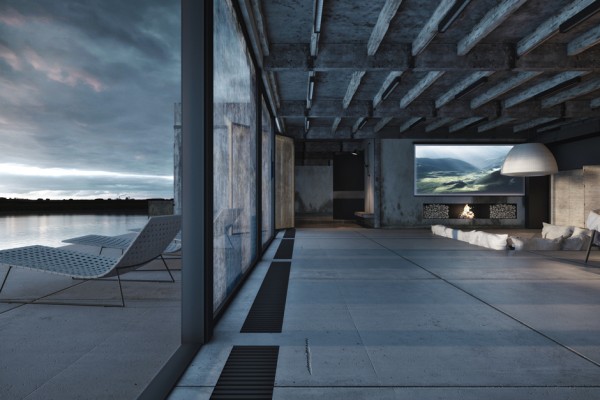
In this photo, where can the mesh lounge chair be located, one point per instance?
(118, 242)
(593, 222)
(147, 245)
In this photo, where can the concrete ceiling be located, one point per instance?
(497, 73)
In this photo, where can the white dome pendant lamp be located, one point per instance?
(529, 159)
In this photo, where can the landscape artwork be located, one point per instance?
(447, 170)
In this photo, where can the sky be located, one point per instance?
(87, 91)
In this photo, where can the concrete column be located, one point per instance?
(377, 183)
(177, 161)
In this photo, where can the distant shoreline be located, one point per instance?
(98, 206)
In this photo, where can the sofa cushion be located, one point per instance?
(550, 231)
(464, 236)
(575, 242)
(543, 244)
(497, 241)
(517, 243)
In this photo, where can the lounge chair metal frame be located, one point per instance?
(122, 242)
(147, 245)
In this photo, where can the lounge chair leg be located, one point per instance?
(590, 246)
(5, 278)
(167, 267)
(120, 288)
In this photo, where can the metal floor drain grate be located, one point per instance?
(266, 313)
(249, 373)
(290, 233)
(285, 250)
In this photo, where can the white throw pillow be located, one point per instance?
(543, 244)
(593, 220)
(550, 231)
(438, 229)
(586, 236)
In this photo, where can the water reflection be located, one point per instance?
(50, 230)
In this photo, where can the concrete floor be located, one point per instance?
(402, 314)
(73, 352)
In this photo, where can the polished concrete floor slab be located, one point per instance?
(402, 314)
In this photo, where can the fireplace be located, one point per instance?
(470, 211)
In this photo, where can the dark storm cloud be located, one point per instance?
(89, 85)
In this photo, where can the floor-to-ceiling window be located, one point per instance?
(234, 188)
(267, 174)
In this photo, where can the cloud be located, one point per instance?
(10, 57)
(89, 86)
(60, 73)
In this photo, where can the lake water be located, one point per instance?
(50, 230)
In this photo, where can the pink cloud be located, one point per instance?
(10, 57)
(11, 17)
(63, 74)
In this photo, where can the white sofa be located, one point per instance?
(552, 237)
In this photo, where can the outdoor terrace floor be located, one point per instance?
(74, 352)
(403, 314)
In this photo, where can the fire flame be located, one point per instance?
(467, 213)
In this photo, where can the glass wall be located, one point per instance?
(235, 113)
(267, 174)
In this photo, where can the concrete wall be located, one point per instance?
(369, 151)
(314, 190)
(284, 182)
(574, 194)
(399, 206)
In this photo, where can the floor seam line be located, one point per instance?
(568, 348)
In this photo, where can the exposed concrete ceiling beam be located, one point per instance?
(547, 29)
(260, 26)
(486, 57)
(533, 123)
(383, 23)
(553, 126)
(460, 87)
(382, 122)
(253, 18)
(491, 21)
(352, 87)
(584, 42)
(456, 109)
(436, 57)
(420, 87)
(406, 125)
(503, 87)
(576, 128)
(578, 109)
(417, 132)
(357, 125)
(316, 28)
(430, 29)
(541, 87)
(386, 84)
(494, 124)
(546, 55)
(465, 123)
(574, 92)
(438, 124)
(336, 123)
